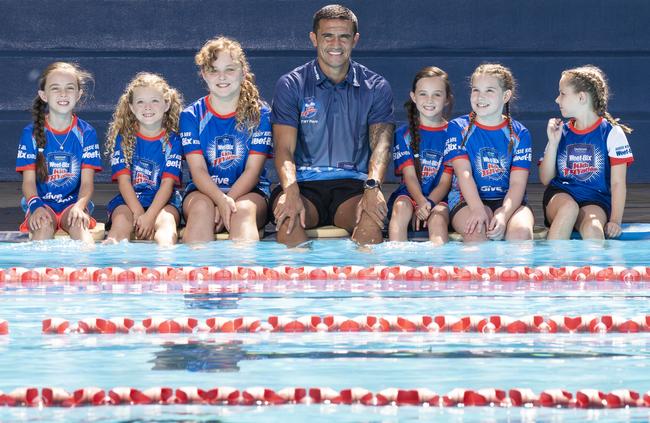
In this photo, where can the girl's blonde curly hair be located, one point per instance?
(248, 107)
(125, 123)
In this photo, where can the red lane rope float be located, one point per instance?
(330, 323)
(95, 275)
(517, 397)
(4, 327)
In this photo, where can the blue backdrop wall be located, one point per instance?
(537, 39)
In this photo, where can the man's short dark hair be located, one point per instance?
(336, 11)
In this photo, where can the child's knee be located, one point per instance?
(201, 207)
(121, 221)
(166, 219)
(166, 234)
(591, 228)
(246, 209)
(439, 217)
(519, 233)
(569, 209)
(402, 207)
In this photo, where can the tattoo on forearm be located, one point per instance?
(381, 139)
(381, 133)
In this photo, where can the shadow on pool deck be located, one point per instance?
(637, 209)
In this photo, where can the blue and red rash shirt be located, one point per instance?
(332, 119)
(584, 160)
(66, 153)
(224, 147)
(432, 148)
(486, 149)
(153, 159)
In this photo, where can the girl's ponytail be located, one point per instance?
(414, 134)
(38, 117)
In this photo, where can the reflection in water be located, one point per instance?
(212, 301)
(212, 356)
(200, 356)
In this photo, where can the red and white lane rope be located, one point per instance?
(330, 323)
(94, 275)
(518, 397)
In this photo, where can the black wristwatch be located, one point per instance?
(371, 184)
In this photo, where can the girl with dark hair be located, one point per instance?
(58, 156)
(418, 153)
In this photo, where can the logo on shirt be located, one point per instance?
(397, 154)
(145, 172)
(64, 170)
(309, 110)
(581, 161)
(225, 152)
(490, 164)
(430, 161)
(91, 152)
(623, 150)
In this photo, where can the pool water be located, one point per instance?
(375, 361)
(329, 252)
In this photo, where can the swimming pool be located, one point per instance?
(375, 361)
(61, 252)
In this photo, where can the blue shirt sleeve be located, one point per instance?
(453, 149)
(382, 106)
(402, 155)
(262, 139)
(26, 157)
(285, 109)
(118, 161)
(172, 167)
(523, 151)
(189, 133)
(91, 158)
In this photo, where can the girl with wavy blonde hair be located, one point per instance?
(146, 153)
(226, 139)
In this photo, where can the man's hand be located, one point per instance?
(289, 206)
(374, 205)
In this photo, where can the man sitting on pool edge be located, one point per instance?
(333, 130)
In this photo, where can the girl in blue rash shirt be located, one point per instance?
(418, 154)
(146, 155)
(226, 139)
(58, 156)
(491, 155)
(585, 161)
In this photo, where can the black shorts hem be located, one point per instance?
(326, 196)
(552, 190)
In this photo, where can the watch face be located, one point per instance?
(370, 184)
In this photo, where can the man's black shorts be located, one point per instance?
(326, 195)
